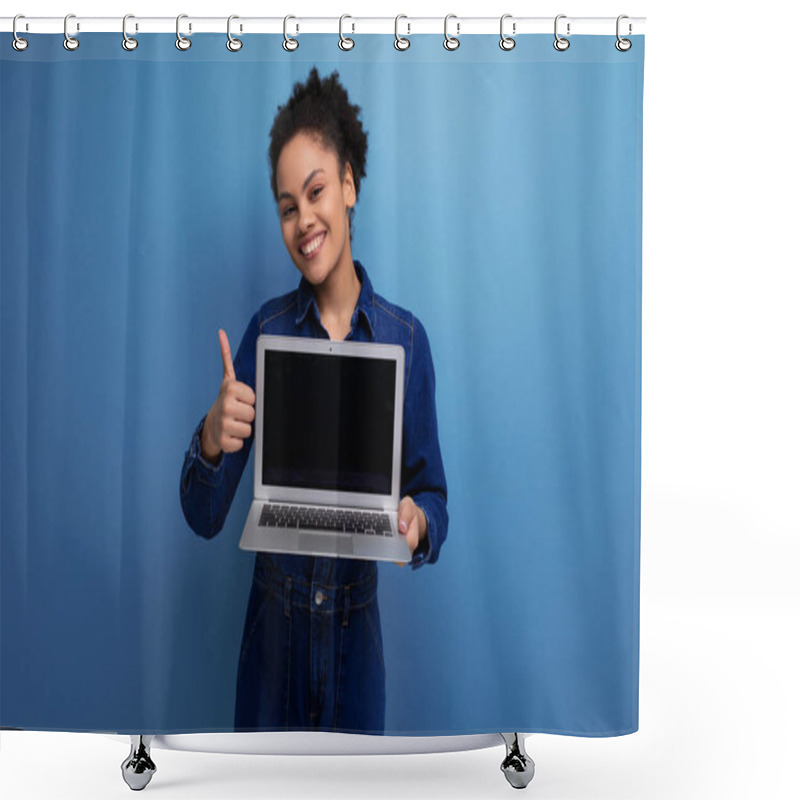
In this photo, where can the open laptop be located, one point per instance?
(328, 440)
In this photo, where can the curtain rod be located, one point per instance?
(513, 26)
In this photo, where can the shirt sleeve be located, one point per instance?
(422, 475)
(206, 489)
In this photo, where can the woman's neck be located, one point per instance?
(337, 299)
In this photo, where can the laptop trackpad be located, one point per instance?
(340, 545)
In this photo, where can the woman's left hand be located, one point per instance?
(412, 523)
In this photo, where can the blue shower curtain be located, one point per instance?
(502, 204)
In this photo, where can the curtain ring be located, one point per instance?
(623, 45)
(561, 43)
(400, 42)
(289, 44)
(70, 42)
(19, 44)
(506, 42)
(345, 43)
(181, 42)
(451, 42)
(233, 44)
(128, 42)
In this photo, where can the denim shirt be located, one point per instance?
(207, 490)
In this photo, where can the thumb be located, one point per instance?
(406, 515)
(227, 361)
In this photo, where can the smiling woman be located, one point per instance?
(318, 156)
(311, 656)
(314, 201)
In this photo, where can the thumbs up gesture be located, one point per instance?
(229, 421)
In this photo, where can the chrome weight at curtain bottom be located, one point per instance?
(138, 768)
(451, 41)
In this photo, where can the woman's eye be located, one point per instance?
(287, 211)
(316, 191)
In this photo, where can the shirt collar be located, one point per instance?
(365, 306)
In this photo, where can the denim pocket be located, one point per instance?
(361, 682)
(262, 683)
(373, 618)
(259, 594)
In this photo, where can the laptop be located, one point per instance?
(328, 441)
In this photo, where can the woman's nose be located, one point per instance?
(306, 218)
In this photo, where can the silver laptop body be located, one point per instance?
(328, 443)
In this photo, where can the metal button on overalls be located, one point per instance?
(318, 598)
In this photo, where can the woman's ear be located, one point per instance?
(349, 186)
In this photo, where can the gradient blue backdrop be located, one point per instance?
(502, 205)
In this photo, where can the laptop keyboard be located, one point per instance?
(335, 520)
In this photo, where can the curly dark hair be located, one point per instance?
(321, 106)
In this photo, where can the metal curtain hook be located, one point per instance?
(289, 44)
(19, 44)
(561, 43)
(623, 45)
(70, 42)
(233, 44)
(506, 42)
(451, 42)
(400, 42)
(128, 42)
(181, 42)
(344, 42)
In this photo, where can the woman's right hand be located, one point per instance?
(229, 421)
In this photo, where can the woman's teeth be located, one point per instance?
(312, 245)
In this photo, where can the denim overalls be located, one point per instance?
(319, 641)
(311, 656)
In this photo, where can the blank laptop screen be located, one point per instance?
(328, 422)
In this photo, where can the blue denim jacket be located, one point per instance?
(207, 490)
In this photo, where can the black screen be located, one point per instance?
(328, 422)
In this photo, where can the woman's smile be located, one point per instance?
(310, 245)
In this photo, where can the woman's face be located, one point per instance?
(312, 205)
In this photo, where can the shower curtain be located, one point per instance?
(501, 206)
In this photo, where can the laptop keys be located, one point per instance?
(323, 519)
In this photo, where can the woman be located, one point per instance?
(311, 654)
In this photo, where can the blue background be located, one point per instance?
(502, 205)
